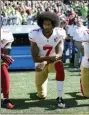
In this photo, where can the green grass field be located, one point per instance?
(23, 95)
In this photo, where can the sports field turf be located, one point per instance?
(23, 95)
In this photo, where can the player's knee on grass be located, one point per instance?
(41, 79)
(42, 91)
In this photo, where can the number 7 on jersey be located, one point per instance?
(48, 48)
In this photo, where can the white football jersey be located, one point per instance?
(6, 37)
(85, 43)
(47, 45)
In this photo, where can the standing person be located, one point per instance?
(77, 37)
(85, 66)
(6, 60)
(47, 49)
(70, 36)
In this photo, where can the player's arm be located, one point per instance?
(35, 54)
(59, 50)
(5, 52)
(7, 48)
(68, 38)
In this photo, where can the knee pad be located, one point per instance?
(59, 68)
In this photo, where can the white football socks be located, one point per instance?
(59, 88)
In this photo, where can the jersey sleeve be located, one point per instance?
(10, 37)
(6, 37)
(62, 33)
(32, 36)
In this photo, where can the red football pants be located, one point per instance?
(5, 80)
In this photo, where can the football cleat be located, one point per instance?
(7, 104)
(60, 103)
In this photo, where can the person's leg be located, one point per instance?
(60, 76)
(84, 84)
(58, 68)
(77, 60)
(41, 79)
(79, 47)
(70, 53)
(5, 85)
(5, 81)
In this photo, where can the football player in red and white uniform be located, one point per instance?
(6, 60)
(47, 48)
(85, 65)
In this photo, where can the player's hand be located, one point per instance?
(41, 66)
(53, 58)
(7, 59)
